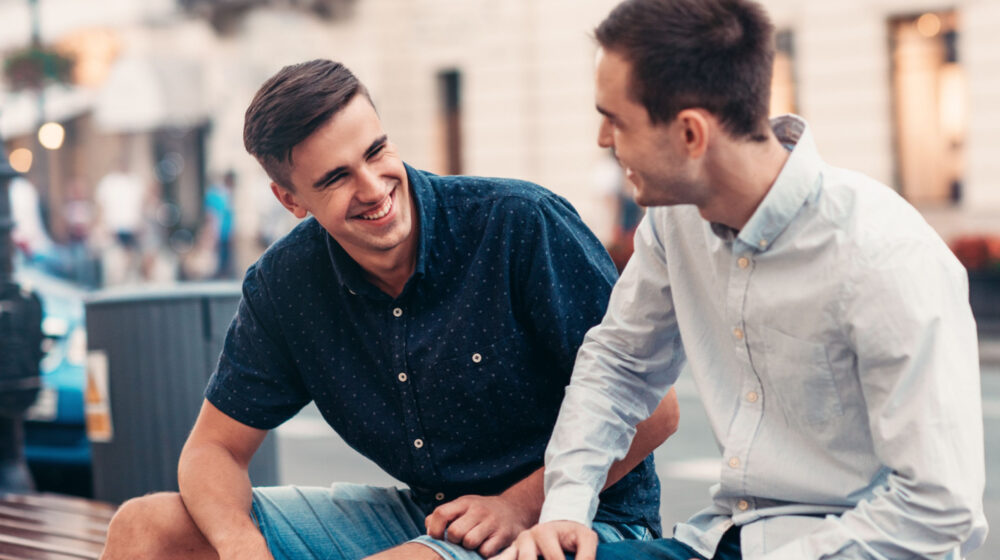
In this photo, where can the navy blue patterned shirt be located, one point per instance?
(454, 386)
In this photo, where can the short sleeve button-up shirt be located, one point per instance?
(454, 386)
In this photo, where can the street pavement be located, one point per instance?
(309, 453)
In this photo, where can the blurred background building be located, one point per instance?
(151, 94)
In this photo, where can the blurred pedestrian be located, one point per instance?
(78, 214)
(29, 232)
(120, 199)
(219, 222)
(619, 193)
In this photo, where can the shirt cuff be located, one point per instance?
(575, 503)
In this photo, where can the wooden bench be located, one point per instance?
(52, 527)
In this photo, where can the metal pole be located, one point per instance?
(6, 221)
(20, 349)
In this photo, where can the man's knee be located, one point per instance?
(148, 527)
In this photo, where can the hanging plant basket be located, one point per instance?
(981, 256)
(36, 67)
(226, 15)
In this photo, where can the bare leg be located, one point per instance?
(155, 526)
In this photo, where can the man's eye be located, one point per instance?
(334, 179)
(376, 152)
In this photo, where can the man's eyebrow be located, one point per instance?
(378, 143)
(329, 175)
(604, 112)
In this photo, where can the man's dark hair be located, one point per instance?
(712, 54)
(290, 106)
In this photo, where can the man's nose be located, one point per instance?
(605, 137)
(370, 186)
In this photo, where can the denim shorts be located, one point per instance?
(351, 521)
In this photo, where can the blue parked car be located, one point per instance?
(56, 444)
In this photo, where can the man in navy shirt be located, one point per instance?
(433, 320)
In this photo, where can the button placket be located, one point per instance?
(398, 326)
(734, 472)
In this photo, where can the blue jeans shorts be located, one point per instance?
(351, 521)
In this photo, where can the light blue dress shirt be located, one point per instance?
(833, 346)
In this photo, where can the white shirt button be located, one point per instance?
(762, 243)
(743, 262)
(738, 333)
(477, 357)
(418, 443)
(397, 312)
(752, 396)
(439, 496)
(402, 377)
(743, 505)
(734, 462)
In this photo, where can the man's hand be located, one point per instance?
(485, 524)
(549, 540)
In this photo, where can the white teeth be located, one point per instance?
(379, 212)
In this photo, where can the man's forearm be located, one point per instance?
(216, 491)
(649, 434)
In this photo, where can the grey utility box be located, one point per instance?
(150, 354)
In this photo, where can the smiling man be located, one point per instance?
(434, 322)
(825, 323)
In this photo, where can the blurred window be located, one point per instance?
(930, 107)
(450, 126)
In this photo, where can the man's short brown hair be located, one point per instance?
(290, 106)
(712, 54)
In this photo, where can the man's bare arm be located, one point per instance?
(215, 485)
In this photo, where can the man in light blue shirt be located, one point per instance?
(825, 323)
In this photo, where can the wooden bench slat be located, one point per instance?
(94, 536)
(33, 544)
(52, 527)
(48, 541)
(59, 519)
(13, 552)
(99, 516)
(67, 504)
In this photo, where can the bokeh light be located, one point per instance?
(929, 25)
(51, 135)
(21, 160)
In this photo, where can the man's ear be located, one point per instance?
(288, 199)
(696, 129)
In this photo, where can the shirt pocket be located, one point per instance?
(490, 386)
(801, 378)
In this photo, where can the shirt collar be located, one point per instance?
(798, 180)
(349, 273)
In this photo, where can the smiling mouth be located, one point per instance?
(380, 211)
